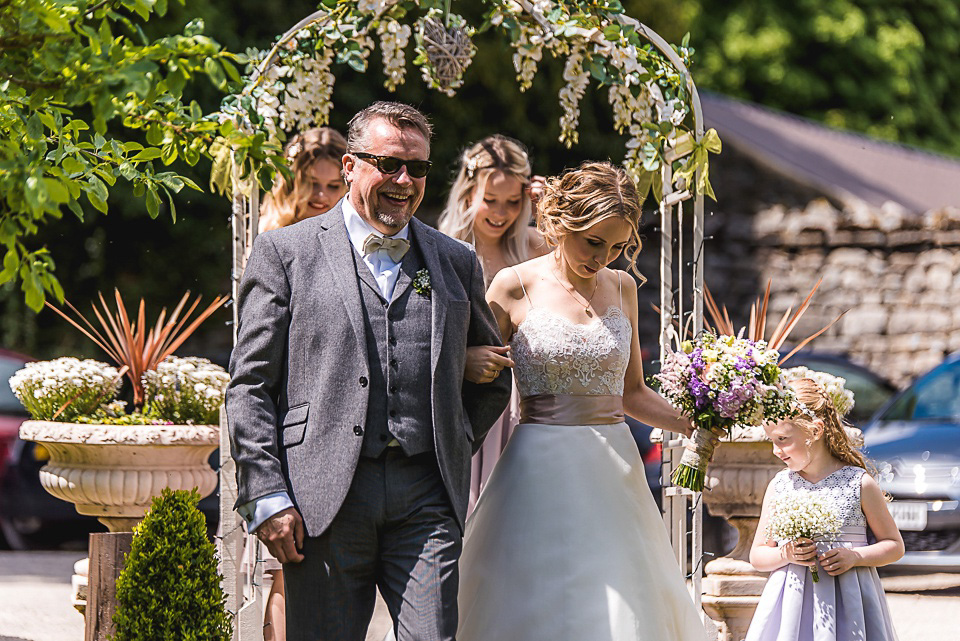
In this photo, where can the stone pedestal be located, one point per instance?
(737, 477)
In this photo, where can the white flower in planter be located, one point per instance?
(64, 388)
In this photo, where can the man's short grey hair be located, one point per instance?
(396, 113)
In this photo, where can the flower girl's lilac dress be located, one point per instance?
(566, 542)
(847, 607)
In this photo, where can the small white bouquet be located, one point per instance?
(799, 515)
(186, 390)
(64, 388)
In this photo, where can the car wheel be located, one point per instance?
(22, 534)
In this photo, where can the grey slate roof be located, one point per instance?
(841, 164)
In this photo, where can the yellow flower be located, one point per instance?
(710, 355)
(686, 347)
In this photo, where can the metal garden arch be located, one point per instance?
(669, 158)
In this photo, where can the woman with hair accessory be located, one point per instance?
(825, 471)
(316, 185)
(490, 206)
(566, 541)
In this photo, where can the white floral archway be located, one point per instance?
(652, 97)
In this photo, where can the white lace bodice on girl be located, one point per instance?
(842, 488)
(554, 355)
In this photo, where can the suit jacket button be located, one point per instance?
(363, 381)
(358, 430)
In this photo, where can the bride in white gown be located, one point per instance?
(566, 542)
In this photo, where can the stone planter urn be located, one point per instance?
(738, 475)
(113, 472)
(737, 479)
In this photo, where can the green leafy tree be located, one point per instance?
(169, 589)
(883, 67)
(86, 99)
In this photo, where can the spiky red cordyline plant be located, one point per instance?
(757, 326)
(129, 343)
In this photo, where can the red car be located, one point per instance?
(11, 411)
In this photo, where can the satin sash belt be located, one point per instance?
(850, 534)
(571, 409)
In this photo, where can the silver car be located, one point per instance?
(915, 442)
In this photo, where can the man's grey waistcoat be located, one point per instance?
(398, 359)
(298, 399)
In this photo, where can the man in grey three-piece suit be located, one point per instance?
(350, 421)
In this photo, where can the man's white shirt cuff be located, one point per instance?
(259, 510)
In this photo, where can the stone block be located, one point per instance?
(865, 319)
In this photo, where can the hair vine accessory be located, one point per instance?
(832, 387)
(294, 150)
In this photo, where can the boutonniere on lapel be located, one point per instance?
(421, 283)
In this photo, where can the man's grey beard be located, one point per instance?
(393, 222)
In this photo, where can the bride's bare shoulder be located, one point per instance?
(511, 281)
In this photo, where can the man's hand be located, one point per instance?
(283, 533)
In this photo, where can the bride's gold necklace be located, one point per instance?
(586, 306)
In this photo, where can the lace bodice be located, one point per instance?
(554, 355)
(842, 488)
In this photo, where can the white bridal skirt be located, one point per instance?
(567, 544)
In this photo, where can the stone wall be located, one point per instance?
(895, 274)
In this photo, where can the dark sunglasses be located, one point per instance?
(391, 165)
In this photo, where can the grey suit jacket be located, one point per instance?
(298, 393)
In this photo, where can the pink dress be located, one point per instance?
(486, 458)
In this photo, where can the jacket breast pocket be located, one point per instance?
(293, 425)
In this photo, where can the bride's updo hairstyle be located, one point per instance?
(815, 399)
(580, 198)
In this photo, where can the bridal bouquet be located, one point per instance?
(720, 382)
(803, 515)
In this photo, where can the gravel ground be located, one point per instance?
(35, 601)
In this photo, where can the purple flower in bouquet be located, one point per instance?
(720, 382)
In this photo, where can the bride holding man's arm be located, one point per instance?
(566, 541)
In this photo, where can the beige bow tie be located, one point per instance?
(395, 247)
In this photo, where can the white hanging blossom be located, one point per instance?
(307, 101)
(393, 40)
(529, 52)
(570, 95)
(371, 6)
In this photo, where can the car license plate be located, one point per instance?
(908, 515)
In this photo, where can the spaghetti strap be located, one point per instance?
(620, 283)
(525, 295)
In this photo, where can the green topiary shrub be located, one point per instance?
(169, 589)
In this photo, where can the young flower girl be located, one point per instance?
(847, 602)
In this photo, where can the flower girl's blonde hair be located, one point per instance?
(815, 399)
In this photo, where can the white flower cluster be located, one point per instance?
(834, 386)
(44, 387)
(570, 95)
(802, 515)
(529, 52)
(393, 40)
(307, 99)
(186, 390)
(371, 6)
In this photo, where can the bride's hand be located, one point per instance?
(485, 362)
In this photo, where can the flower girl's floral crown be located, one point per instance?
(832, 387)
